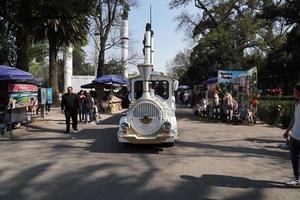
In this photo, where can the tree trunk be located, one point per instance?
(22, 49)
(53, 68)
(101, 60)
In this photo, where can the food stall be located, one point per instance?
(106, 88)
(15, 96)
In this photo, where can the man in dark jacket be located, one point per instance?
(69, 106)
(88, 105)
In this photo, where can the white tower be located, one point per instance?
(68, 68)
(124, 45)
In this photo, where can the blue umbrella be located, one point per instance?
(110, 79)
(11, 73)
(183, 87)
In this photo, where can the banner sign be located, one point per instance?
(49, 96)
(22, 88)
(227, 76)
(22, 95)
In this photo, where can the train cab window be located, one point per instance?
(160, 88)
(138, 89)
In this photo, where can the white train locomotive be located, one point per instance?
(151, 116)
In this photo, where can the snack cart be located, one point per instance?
(15, 97)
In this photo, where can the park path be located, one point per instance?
(209, 161)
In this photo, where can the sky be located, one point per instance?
(168, 41)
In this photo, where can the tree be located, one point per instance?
(61, 23)
(7, 43)
(80, 67)
(38, 66)
(114, 66)
(106, 17)
(228, 35)
(16, 15)
(179, 65)
(283, 58)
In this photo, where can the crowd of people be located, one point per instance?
(214, 106)
(80, 106)
(218, 105)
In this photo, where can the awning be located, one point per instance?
(11, 73)
(111, 79)
(88, 86)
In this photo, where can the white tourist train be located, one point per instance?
(151, 116)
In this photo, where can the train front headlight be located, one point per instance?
(166, 126)
(125, 126)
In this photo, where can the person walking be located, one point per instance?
(69, 106)
(80, 98)
(186, 98)
(88, 106)
(294, 144)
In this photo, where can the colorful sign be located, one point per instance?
(22, 95)
(249, 77)
(227, 76)
(49, 96)
(22, 88)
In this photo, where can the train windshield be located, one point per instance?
(160, 88)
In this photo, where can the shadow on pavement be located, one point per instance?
(185, 113)
(247, 151)
(105, 141)
(264, 140)
(232, 181)
(91, 183)
(34, 128)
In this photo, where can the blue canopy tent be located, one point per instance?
(111, 79)
(11, 73)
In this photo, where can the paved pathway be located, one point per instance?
(209, 161)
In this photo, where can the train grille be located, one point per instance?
(148, 109)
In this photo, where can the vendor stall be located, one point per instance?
(15, 96)
(106, 87)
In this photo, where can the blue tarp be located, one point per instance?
(11, 73)
(110, 79)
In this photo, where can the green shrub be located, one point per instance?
(276, 111)
(287, 113)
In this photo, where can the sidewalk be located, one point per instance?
(209, 161)
(56, 119)
(55, 114)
